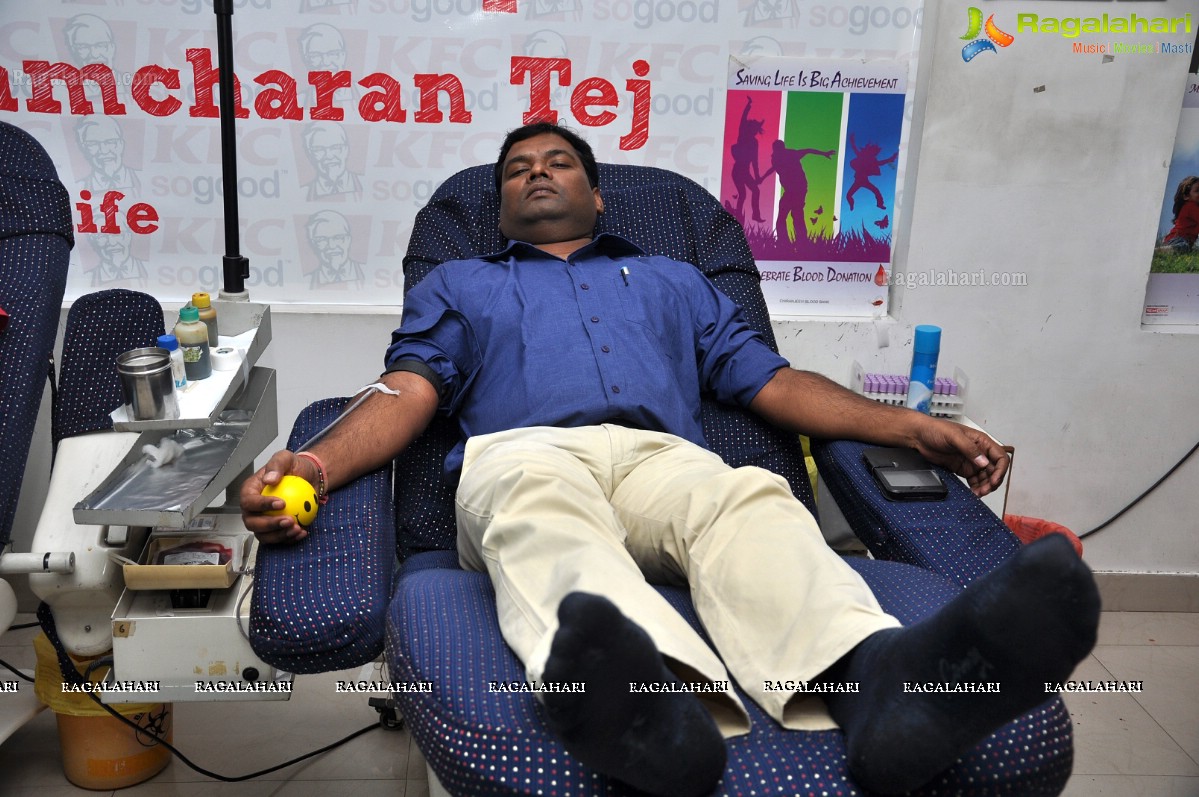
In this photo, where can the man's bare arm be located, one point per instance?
(810, 404)
(364, 440)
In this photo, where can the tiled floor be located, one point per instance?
(1127, 745)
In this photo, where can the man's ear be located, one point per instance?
(599, 201)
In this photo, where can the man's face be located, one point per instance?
(328, 153)
(113, 248)
(92, 44)
(325, 50)
(545, 197)
(331, 242)
(104, 147)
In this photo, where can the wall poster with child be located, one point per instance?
(1172, 292)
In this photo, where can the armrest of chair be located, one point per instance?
(959, 537)
(321, 605)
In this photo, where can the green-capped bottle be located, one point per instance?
(192, 334)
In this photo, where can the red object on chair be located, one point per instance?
(1028, 529)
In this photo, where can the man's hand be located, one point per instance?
(274, 528)
(811, 404)
(358, 442)
(967, 452)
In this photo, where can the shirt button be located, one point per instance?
(595, 319)
(616, 388)
(585, 286)
(605, 349)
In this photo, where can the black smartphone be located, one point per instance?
(904, 475)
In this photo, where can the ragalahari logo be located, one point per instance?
(994, 36)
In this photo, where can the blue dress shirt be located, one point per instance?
(522, 338)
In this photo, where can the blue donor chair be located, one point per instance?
(35, 247)
(334, 601)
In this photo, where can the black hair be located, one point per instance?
(1180, 194)
(581, 147)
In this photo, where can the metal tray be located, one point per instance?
(236, 318)
(130, 494)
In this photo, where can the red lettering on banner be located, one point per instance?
(7, 101)
(145, 78)
(42, 75)
(639, 133)
(86, 224)
(277, 103)
(326, 83)
(591, 91)
(499, 6)
(141, 217)
(432, 85)
(594, 91)
(157, 90)
(382, 106)
(204, 77)
(539, 71)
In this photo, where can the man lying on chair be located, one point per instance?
(574, 365)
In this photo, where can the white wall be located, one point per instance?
(1063, 185)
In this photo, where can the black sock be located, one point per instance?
(663, 743)
(1026, 624)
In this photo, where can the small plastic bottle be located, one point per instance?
(203, 303)
(926, 348)
(178, 371)
(193, 339)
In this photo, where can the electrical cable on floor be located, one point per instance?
(73, 676)
(15, 671)
(1137, 500)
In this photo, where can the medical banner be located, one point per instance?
(811, 164)
(350, 113)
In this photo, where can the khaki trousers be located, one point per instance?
(602, 509)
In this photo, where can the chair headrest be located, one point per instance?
(32, 198)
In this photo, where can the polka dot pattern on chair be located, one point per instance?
(35, 244)
(441, 625)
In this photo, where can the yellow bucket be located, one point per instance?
(98, 750)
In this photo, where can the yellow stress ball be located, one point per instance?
(300, 498)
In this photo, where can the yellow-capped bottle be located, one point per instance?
(192, 334)
(203, 303)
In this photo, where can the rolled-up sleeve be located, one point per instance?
(734, 362)
(436, 341)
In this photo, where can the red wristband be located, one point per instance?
(322, 488)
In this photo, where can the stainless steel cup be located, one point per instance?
(147, 384)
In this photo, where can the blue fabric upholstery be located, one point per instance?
(35, 245)
(442, 629)
(960, 538)
(320, 605)
(100, 327)
(441, 624)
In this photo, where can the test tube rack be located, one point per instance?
(949, 394)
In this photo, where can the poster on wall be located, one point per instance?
(812, 158)
(1172, 292)
(351, 113)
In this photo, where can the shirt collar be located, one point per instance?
(606, 243)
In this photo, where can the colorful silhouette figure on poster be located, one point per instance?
(788, 165)
(865, 164)
(745, 172)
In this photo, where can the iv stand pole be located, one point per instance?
(235, 267)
